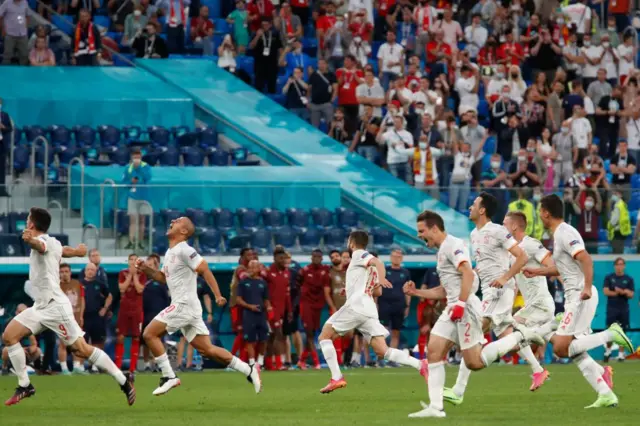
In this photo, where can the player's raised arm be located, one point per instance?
(381, 270)
(586, 263)
(150, 273)
(205, 272)
(435, 293)
(34, 242)
(520, 261)
(79, 251)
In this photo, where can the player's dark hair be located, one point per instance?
(154, 256)
(131, 255)
(345, 251)
(65, 265)
(519, 217)
(334, 251)
(40, 218)
(618, 259)
(278, 250)
(489, 203)
(553, 204)
(244, 251)
(359, 238)
(431, 218)
(316, 251)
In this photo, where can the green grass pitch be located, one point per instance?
(497, 396)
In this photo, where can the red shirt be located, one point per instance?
(299, 3)
(131, 300)
(347, 89)
(200, 27)
(409, 79)
(325, 22)
(384, 6)
(487, 56)
(433, 46)
(261, 8)
(506, 49)
(279, 291)
(619, 6)
(362, 30)
(314, 279)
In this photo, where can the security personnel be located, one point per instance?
(619, 226)
(619, 289)
(393, 304)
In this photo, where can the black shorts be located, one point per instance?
(621, 317)
(254, 328)
(95, 329)
(391, 317)
(290, 327)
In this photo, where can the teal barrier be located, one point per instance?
(207, 188)
(92, 96)
(271, 127)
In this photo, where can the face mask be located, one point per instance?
(514, 75)
(495, 165)
(588, 204)
(606, 44)
(586, 43)
(560, 21)
(612, 28)
(423, 145)
(136, 161)
(522, 158)
(419, 111)
(588, 166)
(137, 13)
(499, 76)
(614, 198)
(537, 197)
(531, 149)
(565, 130)
(339, 24)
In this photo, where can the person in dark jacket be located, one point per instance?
(512, 139)
(149, 45)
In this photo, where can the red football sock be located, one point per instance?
(268, 363)
(278, 362)
(314, 356)
(119, 354)
(422, 343)
(238, 344)
(135, 351)
(338, 345)
(304, 356)
(516, 359)
(244, 355)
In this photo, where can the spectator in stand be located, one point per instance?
(364, 141)
(581, 132)
(296, 92)
(475, 36)
(393, 304)
(131, 284)
(623, 166)
(510, 52)
(524, 172)
(349, 77)
(619, 226)
(433, 136)
(300, 8)
(355, 6)
(370, 93)
(580, 16)
(239, 18)
(259, 11)
(41, 55)
(460, 186)
(563, 145)
(593, 55)
(425, 167)
(266, 48)
(134, 23)
(545, 55)
(324, 24)
(547, 156)
(227, 54)
(503, 109)
(174, 10)
(610, 60)
(589, 219)
(633, 132)
(406, 33)
(574, 59)
(399, 146)
(76, 6)
(572, 99)
(201, 31)
(555, 113)
(424, 16)
(451, 28)
(97, 303)
(155, 298)
(439, 51)
(14, 27)
(137, 175)
(289, 26)
(533, 116)
(337, 129)
(476, 135)
(494, 84)
(380, 25)
(571, 207)
(323, 89)
(608, 113)
(619, 289)
(360, 26)
(451, 136)
(600, 87)
(118, 11)
(398, 92)
(487, 57)
(429, 98)
(293, 57)
(496, 182)
(467, 87)
(253, 297)
(391, 60)
(517, 84)
(626, 53)
(87, 41)
(359, 46)
(148, 44)
(511, 140)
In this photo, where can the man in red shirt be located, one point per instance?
(240, 273)
(313, 279)
(438, 50)
(360, 27)
(325, 22)
(202, 31)
(510, 52)
(131, 284)
(349, 78)
(278, 279)
(257, 10)
(301, 9)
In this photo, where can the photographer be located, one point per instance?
(296, 92)
(337, 130)
(148, 45)
(399, 146)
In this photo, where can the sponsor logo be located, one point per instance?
(364, 254)
(574, 242)
(193, 255)
(509, 236)
(457, 252)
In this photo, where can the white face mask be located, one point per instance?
(423, 145)
(606, 44)
(521, 158)
(495, 165)
(537, 197)
(588, 204)
(586, 43)
(137, 13)
(614, 198)
(339, 24)
(419, 111)
(565, 130)
(612, 28)
(136, 161)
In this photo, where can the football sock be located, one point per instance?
(590, 371)
(304, 356)
(19, 362)
(119, 354)
(165, 366)
(278, 362)
(355, 357)
(462, 380)
(64, 367)
(330, 355)
(589, 342)
(240, 366)
(252, 361)
(422, 343)
(499, 348)
(238, 344)
(338, 348)
(101, 360)
(528, 354)
(402, 358)
(546, 330)
(261, 359)
(135, 352)
(436, 385)
(314, 356)
(78, 366)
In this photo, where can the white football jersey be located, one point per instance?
(451, 254)
(491, 246)
(360, 285)
(534, 290)
(179, 268)
(567, 243)
(44, 272)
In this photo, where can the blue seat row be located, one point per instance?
(11, 245)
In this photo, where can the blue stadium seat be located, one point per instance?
(210, 242)
(120, 157)
(335, 239)
(17, 222)
(261, 241)
(635, 181)
(132, 133)
(40, 155)
(483, 109)
(158, 222)
(21, 158)
(67, 153)
(321, 217)
(33, 132)
(160, 243)
(239, 240)
(634, 203)
(169, 156)
(178, 131)
(192, 156)
(490, 145)
(245, 63)
(85, 136)
(222, 26)
(310, 239)
(240, 154)
(346, 218)
(187, 139)
(109, 136)
(10, 245)
(603, 236)
(272, 218)
(169, 215)
(60, 135)
(218, 157)
(63, 238)
(199, 219)
(297, 218)
(382, 240)
(247, 218)
(63, 22)
(4, 224)
(159, 136)
(222, 219)
(103, 21)
(208, 137)
(285, 236)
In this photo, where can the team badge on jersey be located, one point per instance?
(457, 252)
(509, 236)
(364, 254)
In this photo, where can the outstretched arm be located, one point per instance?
(79, 251)
(436, 293)
(150, 273)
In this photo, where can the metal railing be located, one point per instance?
(12, 187)
(12, 147)
(73, 161)
(111, 183)
(58, 205)
(144, 205)
(86, 229)
(34, 145)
